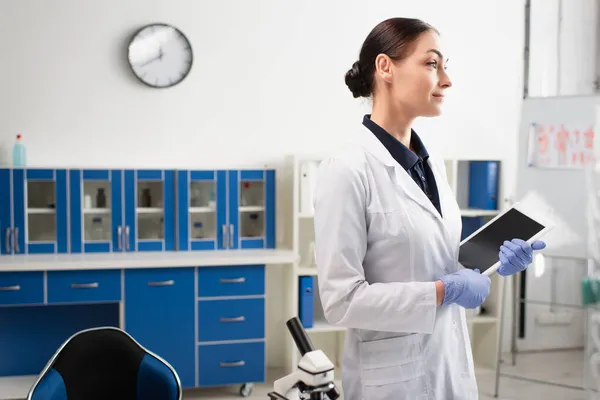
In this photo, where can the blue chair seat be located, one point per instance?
(106, 363)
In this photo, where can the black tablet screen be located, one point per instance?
(481, 251)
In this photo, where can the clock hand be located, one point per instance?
(150, 61)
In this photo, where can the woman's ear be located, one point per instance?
(384, 67)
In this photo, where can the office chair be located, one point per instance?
(105, 363)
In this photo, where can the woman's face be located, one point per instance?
(417, 83)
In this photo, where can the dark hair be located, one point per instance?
(393, 37)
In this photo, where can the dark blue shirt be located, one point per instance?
(414, 163)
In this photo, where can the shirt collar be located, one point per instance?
(402, 154)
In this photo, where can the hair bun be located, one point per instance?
(356, 82)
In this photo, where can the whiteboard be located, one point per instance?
(551, 167)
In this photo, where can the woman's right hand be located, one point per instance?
(467, 288)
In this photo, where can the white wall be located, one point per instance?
(564, 47)
(267, 80)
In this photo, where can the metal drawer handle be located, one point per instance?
(233, 364)
(120, 237)
(236, 280)
(236, 319)
(163, 283)
(92, 285)
(16, 239)
(10, 288)
(7, 240)
(127, 237)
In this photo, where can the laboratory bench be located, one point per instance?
(204, 312)
(177, 258)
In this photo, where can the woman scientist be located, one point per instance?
(387, 231)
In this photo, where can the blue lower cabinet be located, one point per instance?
(159, 314)
(227, 364)
(84, 286)
(18, 288)
(237, 319)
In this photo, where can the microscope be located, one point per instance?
(314, 378)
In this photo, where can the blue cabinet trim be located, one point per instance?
(116, 189)
(6, 222)
(149, 175)
(222, 205)
(169, 210)
(62, 212)
(96, 175)
(40, 174)
(75, 195)
(252, 175)
(202, 175)
(19, 208)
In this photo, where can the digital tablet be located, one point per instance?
(480, 249)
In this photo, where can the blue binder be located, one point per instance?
(306, 301)
(483, 184)
(470, 225)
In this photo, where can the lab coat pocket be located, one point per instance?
(389, 225)
(393, 369)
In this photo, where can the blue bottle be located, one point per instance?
(19, 154)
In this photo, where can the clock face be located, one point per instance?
(160, 56)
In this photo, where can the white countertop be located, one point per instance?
(57, 262)
(16, 387)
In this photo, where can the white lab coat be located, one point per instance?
(380, 245)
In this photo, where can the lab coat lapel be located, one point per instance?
(404, 182)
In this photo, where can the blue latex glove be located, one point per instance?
(516, 255)
(465, 287)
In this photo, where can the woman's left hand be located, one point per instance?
(516, 255)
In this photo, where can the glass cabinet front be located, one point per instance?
(41, 211)
(97, 221)
(252, 209)
(150, 210)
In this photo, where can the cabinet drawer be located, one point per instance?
(231, 281)
(226, 364)
(84, 286)
(21, 288)
(231, 319)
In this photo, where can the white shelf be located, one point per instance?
(306, 271)
(159, 259)
(305, 216)
(323, 327)
(202, 210)
(482, 319)
(252, 208)
(96, 210)
(149, 210)
(41, 211)
(474, 212)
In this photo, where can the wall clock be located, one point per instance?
(160, 55)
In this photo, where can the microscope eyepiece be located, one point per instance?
(300, 336)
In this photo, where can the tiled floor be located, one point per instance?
(559, 367)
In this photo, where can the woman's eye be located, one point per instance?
(433, 64)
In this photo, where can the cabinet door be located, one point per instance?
(202, 210)
(96, 211)
(159, 314)
(6, 222)
(253, 208)
(40, 211)
(149, 210)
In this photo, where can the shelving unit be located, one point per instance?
(484, 328)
